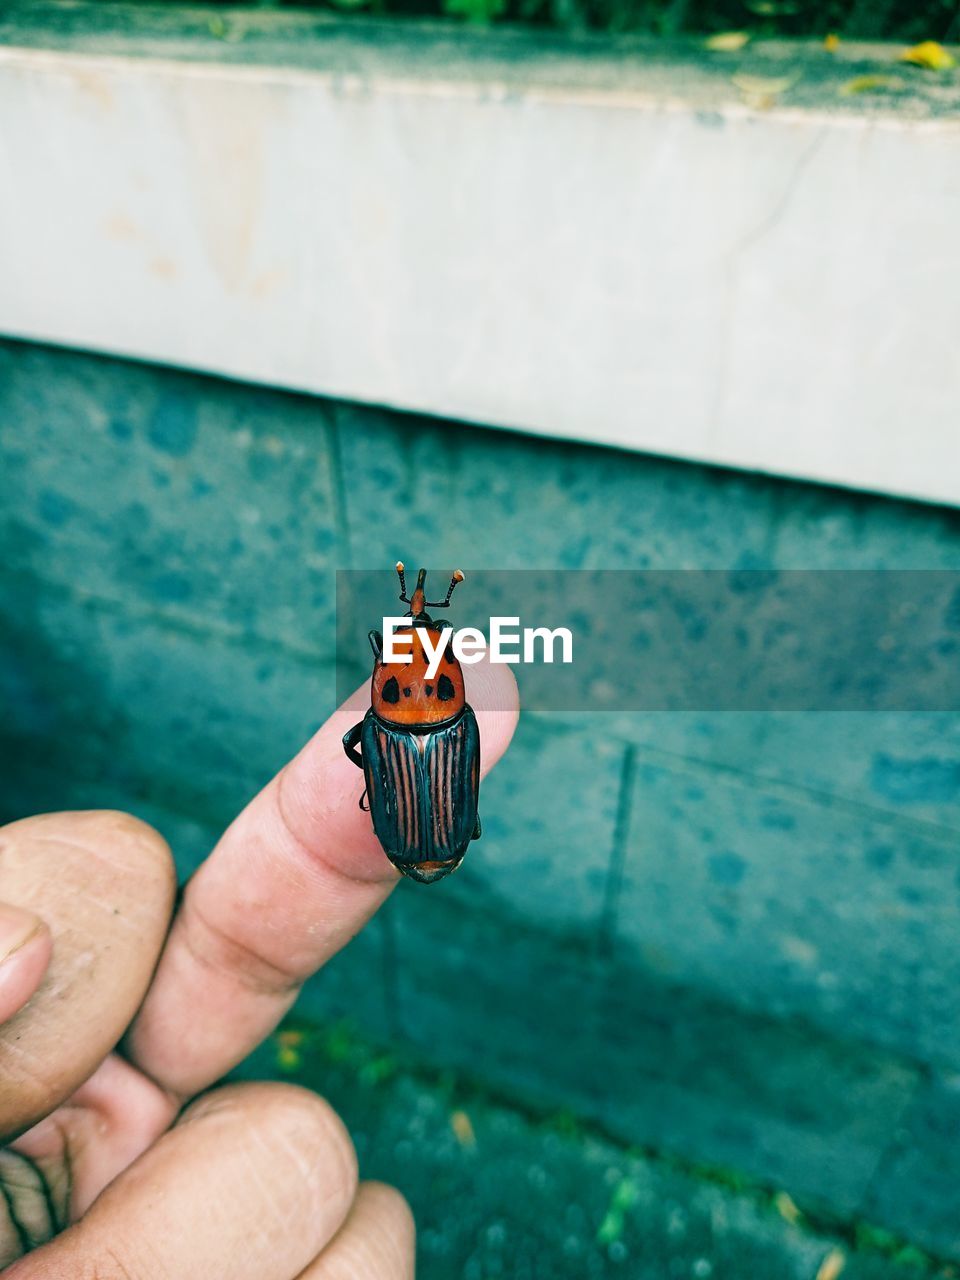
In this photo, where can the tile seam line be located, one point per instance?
(620, 848)
(695, 766)
(485, 90)
(826, 799)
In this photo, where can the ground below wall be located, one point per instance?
(499, 1193)
(749, 920)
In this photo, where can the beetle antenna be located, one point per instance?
(403, 583)
(445, 603)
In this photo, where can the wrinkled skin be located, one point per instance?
(116, 1013)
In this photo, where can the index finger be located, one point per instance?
(290, 882)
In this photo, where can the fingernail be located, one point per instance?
(17, 928)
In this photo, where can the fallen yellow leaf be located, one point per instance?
(727, 41)
(762, 91)
(462, 1127)
(288, 1045)
(832, 1265)
(871, 84)
(929, 54)
(786, 1207)
(288, 1059)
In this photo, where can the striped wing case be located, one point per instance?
(423, 790)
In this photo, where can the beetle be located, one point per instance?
(419, 748)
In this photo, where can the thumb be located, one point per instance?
(25, 947)
(104, 884)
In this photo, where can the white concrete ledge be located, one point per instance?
(606, 243)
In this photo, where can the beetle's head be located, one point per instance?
(412, 690)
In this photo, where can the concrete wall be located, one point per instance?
(729, 936)
(614, 242)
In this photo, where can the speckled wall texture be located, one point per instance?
(730, 935)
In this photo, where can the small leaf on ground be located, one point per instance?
(727, 41)
(832, 1265)
(462, 1127)
(289, 1044)
(625, 1196)
(763, 91)
(872, 84)
(787, 1208)
(929, 54)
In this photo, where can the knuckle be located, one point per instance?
(215, 948)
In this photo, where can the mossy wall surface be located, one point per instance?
(732, 937)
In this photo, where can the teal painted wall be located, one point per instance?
(732, 936)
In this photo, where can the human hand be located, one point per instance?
(106, 1174)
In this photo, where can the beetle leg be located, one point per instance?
(477, 830)
(376, 643)
(364, 808)
(350, 740)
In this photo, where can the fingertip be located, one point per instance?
(492, 692)
(26, 946)
(290, 1126)
(492, 686)
(377, 1240)
(102, 835)
(103, 884)
(254, 1180)
(390, 1206)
